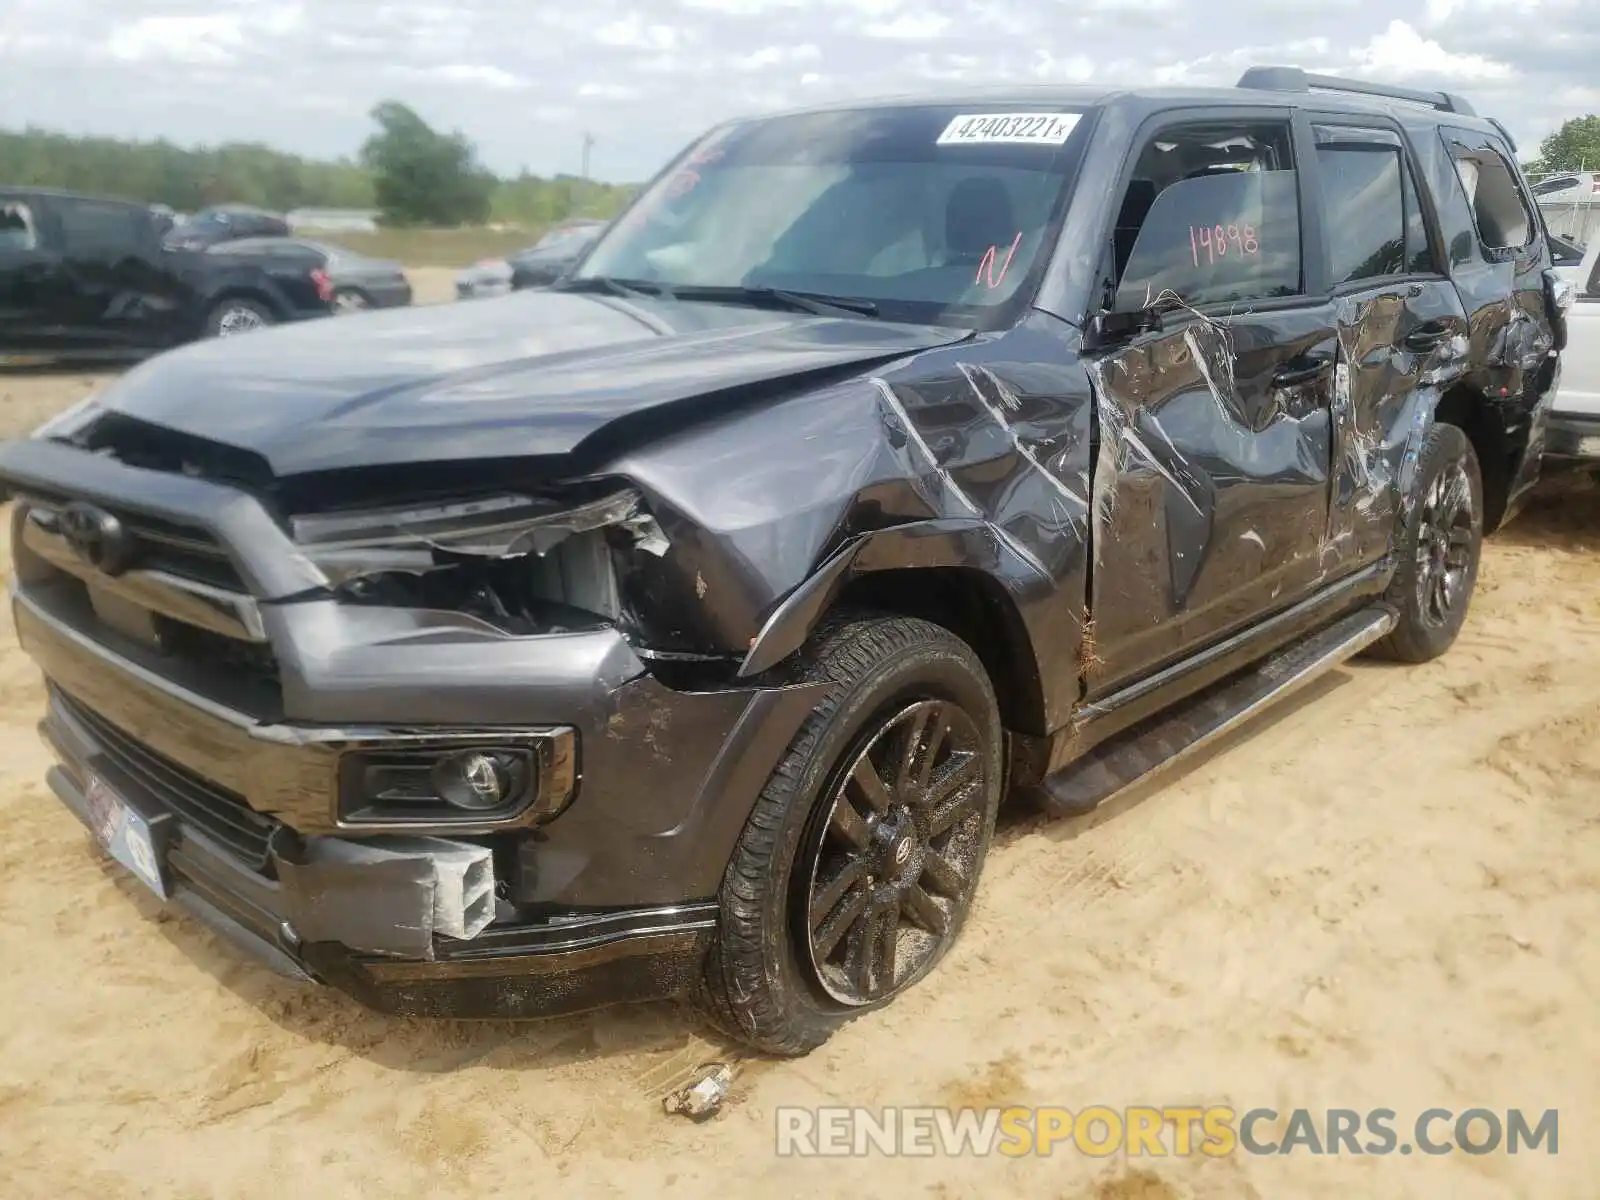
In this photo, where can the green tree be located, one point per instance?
(188, 179)
(185, 179)
(421, 176)
(1573, 147)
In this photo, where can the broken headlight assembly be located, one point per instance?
(522, 564)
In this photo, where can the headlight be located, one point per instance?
(521, 563)
(375, 541)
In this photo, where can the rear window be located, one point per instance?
(17, 228)
(935, 213)
(93, 228)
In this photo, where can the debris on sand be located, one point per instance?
(702, 1099)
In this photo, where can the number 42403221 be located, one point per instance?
(1211, 241)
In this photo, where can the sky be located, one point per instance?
(526, 79)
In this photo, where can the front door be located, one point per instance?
(1212, 479)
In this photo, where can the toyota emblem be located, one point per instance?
(97, 537)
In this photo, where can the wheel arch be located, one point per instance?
(1470, 411)
(944, 587)
(240, 291)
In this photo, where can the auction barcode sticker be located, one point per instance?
(1039, 129)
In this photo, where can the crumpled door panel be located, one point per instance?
(1210, 485)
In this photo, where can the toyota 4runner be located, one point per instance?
(679, 629)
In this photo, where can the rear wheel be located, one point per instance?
(1440, 541)
(858, 866)
(234, 316)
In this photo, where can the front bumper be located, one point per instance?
(531, 969)
(609, 900)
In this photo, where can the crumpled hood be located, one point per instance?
(532, 374)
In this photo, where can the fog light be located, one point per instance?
(477, 780)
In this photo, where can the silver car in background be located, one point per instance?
(542, 263)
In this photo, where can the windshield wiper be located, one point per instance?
(628, 289)
(811, 302)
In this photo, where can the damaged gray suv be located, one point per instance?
(677, 630)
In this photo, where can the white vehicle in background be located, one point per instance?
(1572, 429)
(1576, 263)
(1568, 189)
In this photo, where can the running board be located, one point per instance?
(1168, 738)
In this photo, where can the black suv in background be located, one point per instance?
(225, 223)
(680, 627)
(89, 277)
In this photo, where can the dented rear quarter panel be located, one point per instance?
(1502, 294)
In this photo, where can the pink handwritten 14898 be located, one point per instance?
(1213, 240)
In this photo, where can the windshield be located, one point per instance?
(934, 213)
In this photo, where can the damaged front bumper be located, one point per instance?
(404, 925)
(608, 897)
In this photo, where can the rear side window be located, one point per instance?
(1503, 219)
(89, 227)
(1211, 215)
(17, 228)
(1364, 208)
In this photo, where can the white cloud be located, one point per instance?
(1400, 53)
(634, 32)
(917, 26)
(197, 40)
(479, 73)
(644, 76)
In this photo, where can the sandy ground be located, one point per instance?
(1377, 896)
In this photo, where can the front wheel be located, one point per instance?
(1439, 544)
(858, 865)
(229, 318)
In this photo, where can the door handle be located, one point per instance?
(1303, 370)
(1426, 337)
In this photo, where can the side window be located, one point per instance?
(92, 228)
(1211, 215)
(1420, 259)
(1364, 209)
(1504, 222)
(18, 231)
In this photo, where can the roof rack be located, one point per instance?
(1293, 79)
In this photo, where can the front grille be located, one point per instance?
(183, 550)
(221, 815)
(253, 664)
(163, 627)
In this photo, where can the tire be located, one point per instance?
(235, 315)
(1440, 539)
(350, 300)
(768, 982)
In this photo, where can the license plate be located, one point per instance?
(125, 835)
(1589, 447)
